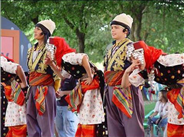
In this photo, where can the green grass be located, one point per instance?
(148, 107)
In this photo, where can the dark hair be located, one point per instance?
(45, 31)
(164, 94)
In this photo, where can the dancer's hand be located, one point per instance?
(135, 65)
(48, 59)
(3, 84)
(60, 93)
(88, 80)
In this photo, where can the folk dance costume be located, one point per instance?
(175, 126)
(41, 103)
(124, 106)
(167, 69)
(85, 99)
(15, 118)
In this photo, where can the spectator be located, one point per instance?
(66, 120)
(159, 117)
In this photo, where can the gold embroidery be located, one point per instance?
(116, 58)
(39, 61)
(39, 47)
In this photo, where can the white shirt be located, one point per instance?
(161, 108)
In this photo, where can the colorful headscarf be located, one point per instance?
(62, 48)
(151, 54)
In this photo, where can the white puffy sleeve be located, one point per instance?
(8, 66)
(135, 79)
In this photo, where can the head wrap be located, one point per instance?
(151, 54)
(62, 48)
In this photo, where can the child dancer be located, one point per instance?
(15, 118)
(89, 107)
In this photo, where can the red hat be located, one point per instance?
(151, 54)
(62, 48)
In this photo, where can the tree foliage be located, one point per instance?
(85, 24)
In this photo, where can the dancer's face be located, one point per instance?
(117, 32)
(38, 34)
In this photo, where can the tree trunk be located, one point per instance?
(81, 40)
(35, 20)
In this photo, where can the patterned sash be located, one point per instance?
(75, 98)
(122, 97)
(18, 96)
(42, 81)
(113, 78)
(40, 95)
(14, 93)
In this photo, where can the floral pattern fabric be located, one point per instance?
(173, 115)
(8, 66)
(15, 114)
(91, 109)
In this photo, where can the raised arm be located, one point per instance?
(125, 79)
(54, 67)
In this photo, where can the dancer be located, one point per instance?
(155, 65)
(85, 98)
(168, 69)
(41, 103)
(161, 109)
(15, 86)
(125, 107)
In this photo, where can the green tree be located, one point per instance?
(85, 24)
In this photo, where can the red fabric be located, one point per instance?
(10, 98)
(94, 85)
(85, 130)
(17, 131)
(173, 94)
(62, 48)
(8, 91)
(8, 58)
(151, 54)
(175, 130)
